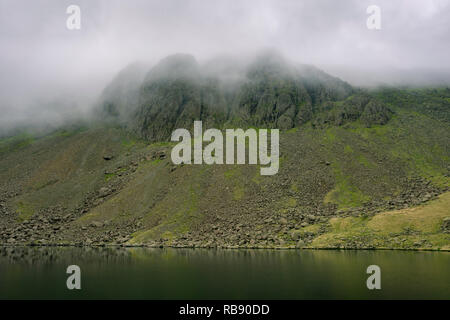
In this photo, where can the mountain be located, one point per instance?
(269, 92)
(120, 98)
(358, 168)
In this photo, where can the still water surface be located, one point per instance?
(142, 273)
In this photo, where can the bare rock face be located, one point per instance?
(104, 191)
(446, 225)
(269, 92)
(119, 100)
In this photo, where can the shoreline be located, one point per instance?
(216, 247)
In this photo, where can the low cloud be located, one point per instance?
(51, 73)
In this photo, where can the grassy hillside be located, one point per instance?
(339, 185)
(421, 227)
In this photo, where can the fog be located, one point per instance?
(49, 73)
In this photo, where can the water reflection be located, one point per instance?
(144, 273)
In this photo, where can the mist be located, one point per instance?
(50, 74)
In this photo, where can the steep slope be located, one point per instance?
(60, 188)
(346, 156)
(174, 94)
(120, 99)
(268, 92)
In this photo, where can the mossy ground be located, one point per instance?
(420, 228)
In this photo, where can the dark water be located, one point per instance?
(140, 273)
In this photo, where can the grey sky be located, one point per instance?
(42, 62)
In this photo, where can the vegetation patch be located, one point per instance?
(16, 142)
(345, 194)
(24, 211)
(414, 228)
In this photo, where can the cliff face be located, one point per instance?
(120, 98)
(268, 93)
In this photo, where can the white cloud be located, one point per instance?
(39, 57)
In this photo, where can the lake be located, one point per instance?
(150, 273)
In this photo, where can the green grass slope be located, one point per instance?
(102, 185)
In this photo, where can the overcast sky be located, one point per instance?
(41, 61)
